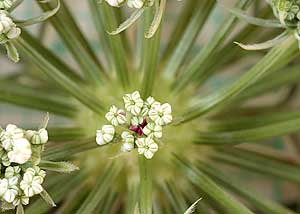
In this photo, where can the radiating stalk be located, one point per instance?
(226, 94)
(61, 134)
(190, 35)
(197, 65)
(99, 191)
(209, 187)
(181, 24)
(29, 46)
(150, 56)
(35, 99)
(260, 165)
(145, 204)
(115, 42)
(260, 202)
(132, 199)
(175, 198)
(250, 135)
(72, 36)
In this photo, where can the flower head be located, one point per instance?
(37, 137)
(116, 116)
(105, 135)
(133, 103)
(161, 114)
(147, 147)
(11, 133)
(153, 130)
(21, 152)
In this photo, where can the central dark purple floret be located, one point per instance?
(139, 128)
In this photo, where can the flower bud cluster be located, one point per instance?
(143, 122)
(21, 177)
(8, 29)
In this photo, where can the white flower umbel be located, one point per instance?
(128, 142)
(9, 189)
(105, 135)
(146, 147)
(31, 183)
(133, 103)
(5, 4)
(135, 3)
(153, 130)
(11, 133)
(37, 137)
(7, 27)
(115, 3)
(161, 114)
(21, 152)
(116, 116)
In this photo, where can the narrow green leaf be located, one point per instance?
(175, 197)
(145, 204)
(63, 134)
(226, 94)
(157, 18)
(201, 180)
(63, 167)
(46, 15)
(253, 20)
(128, 22)
(12, 52)
(132, 198)
(192, 208)
(47, 198)
(260, 202)
(264, 45)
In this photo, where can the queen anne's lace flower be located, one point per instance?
(21, 152)
(9, 189)
(133, 103)
(135, 3)
(147, 147)
(11, 133)
(37, 137)
(105, 135)
(143, 121)
(153, 130)
(32, 181)
(115, 3)
(161, 114)
(116, 116)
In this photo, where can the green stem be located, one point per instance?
(29, 46)
(145, 186)
(150, 56)
(76, 42)
(262, 68)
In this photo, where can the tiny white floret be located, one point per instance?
(105, 135)
(153, 130)
(116, 116)
(21, 152)
(146, 147)
(133, 103)
(161, 114)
